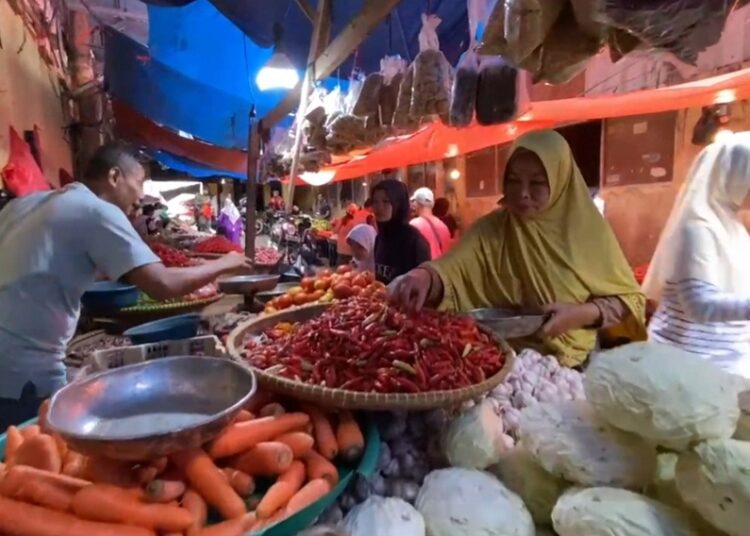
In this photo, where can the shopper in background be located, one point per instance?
(342, 227)
(229, 223)
(276, 202)
(433, 230)
(361, 240)
(54, 243)
(323, 207)
(399, 247)
(700, 272)
(441, 211)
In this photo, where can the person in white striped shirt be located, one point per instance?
(700, 272)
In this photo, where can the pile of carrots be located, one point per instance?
(48, 489)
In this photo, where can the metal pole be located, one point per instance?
(251, 196)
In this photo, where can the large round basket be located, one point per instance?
(345, 399)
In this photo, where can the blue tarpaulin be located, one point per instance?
(194, 169)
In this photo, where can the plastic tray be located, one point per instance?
(306, 517)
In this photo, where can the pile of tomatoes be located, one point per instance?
(328, 286)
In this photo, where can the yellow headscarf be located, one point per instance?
(568, 253)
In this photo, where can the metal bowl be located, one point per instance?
(152, 409)
(508, 323)
(278, 290)
(248, 284)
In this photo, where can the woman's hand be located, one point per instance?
(564, 317)
(410, 290)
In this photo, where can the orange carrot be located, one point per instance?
(241, 436)
(207, 480)
(39, 451)
(325, 439)
(42, 414)
(36, 486)
(148, 472)
(62, 446)
(19, 518)
(319, 467)
(244, 415)
(264, 523)
(102, 502)
(240, 481)
(351, 441)
(271, 410)
(106, 471)
(194, 503)
(258, 400)
(310, 492)
(231, 527)
(265, 459)
(282, 490)
(74, 464)
(300, 442)
(164, 491)
(30, 431)
(13, 440)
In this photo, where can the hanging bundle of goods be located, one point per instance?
(433, 76)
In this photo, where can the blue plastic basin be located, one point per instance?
(109, 296)
(168, 329)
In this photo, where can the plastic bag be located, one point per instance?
(432, 75)
(497, 91)
(355, 87)
(334, 101)
(345, 133)
(22, 175)
(401, 117)
(464, 94)
(588, 15)
(392, 68)
(368, 101)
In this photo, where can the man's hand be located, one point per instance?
(564, 317)
(235, 263)
(410, 290)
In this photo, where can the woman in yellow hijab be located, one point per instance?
(548, 249)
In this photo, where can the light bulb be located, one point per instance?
(454, 174)
(278, 73)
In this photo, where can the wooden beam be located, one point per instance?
(307, 9)
(369, 16)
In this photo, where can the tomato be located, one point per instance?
(300, 298)
(369, 276)
(308, 284)
(295, 290)
(315, 296)
(284, 301)
(269, 310)
(343, 269)
(342, 291)
(326, 273)
(324, 283)
(357, 291)
(379, 295)
(360, 280)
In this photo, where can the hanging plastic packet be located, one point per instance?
(401, 118)
(433, 75)
(392, 69)
(355, 87)
(315, 119)
(345, 133)
(466, 78)
(497, 91)
(334, 101)
(368, 101)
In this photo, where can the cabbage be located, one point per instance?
(379, 516)
(714, 479)
(616, 512)
(570, 441)
(539, 490)
(475, 438)
(466, 502)
(664, 394)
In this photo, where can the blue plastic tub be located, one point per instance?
(168, 329)
(106, 296)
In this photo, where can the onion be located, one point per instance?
(385, 455)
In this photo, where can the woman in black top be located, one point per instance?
(399, 247)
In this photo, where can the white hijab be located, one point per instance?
(231, 211)
(364, 235)
(705, 237)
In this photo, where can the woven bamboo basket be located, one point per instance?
(356, 400)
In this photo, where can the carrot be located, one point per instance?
(300, 442)
(258, 400)
(318, 467)
(74, 464)
(103, 502)
(351, 441)
(231, 527)
(13, 440)
(164, 491)
(310, 492)
(243, 415)
(30, 431)
(106, 471)
(44, 488)
(39, 451)
(265, 459)
(62, 446)
(325, 439)
(271, 410)
(18, 518)
(263, 523)
(42, 414)
(194, 503)
(282, 490)
(240, 481)
(207, 480)
(148, 472)
(241, 436)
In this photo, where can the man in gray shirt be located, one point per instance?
(52, 246)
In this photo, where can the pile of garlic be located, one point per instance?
(534, 378)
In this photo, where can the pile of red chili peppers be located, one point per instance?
(365, 345)
(171, 257)
(216, 244)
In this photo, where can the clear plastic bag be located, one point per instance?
(401, 117)
(368, 100)
(497, 91)
(334, 101)
(392, 69)
(464, 95)
(433, 75)
(355, 87)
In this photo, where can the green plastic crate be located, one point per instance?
(306, 517)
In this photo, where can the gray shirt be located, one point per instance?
(52, 245)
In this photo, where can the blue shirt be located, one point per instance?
(52, 246)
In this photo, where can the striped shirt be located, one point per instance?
(698, 317)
